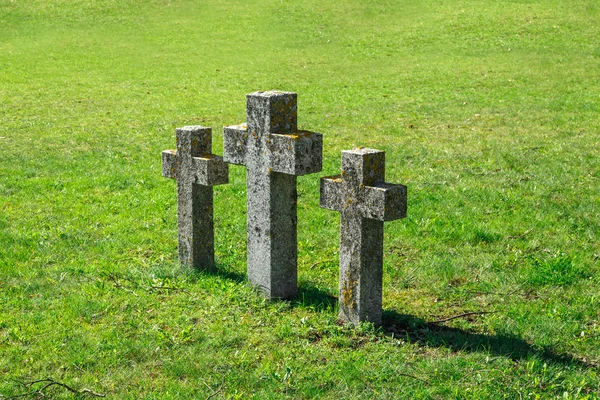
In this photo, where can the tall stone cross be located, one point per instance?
(274, 153)
(365, 201)
(196, 171)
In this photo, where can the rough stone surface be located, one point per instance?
(196, 171)
(274, 153)
(364, 201)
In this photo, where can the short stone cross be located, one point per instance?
(196, 171)
(364, 201)
(274, 153)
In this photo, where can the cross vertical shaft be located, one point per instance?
(272, 197)
(361, 269)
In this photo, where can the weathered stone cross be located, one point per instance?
(274, 153)
(364, 201)
(196, 171)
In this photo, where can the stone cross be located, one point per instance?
(196, 171)
(274, 153)
(364, 201)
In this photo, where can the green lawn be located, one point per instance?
(489, 111)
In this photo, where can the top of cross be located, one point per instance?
(272, 112)
(365, 165)
(361, 188)
(193, 160)
(271, 136)
(195, 140)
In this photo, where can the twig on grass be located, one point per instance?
(522, 235)
(510, 293)
(462, 316)
(116, 280)
(321, 262)
(216, 392)
(172, 288)
(49, 383)
(118, 285)
(414, 377)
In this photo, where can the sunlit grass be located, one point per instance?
(487, 111)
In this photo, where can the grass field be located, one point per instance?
(488, 111)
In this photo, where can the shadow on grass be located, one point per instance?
(226, 273)
(416, 330)
(314, 297)
(309, 296)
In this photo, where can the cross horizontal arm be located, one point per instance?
(169, 160)
(383, 202)
(331, 193)
(235, 144)
(210, 170)
(297, 153)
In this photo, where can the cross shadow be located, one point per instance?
(430, 334)
(227, 273)
(314, 297)
(416, 330)
(309, 295)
